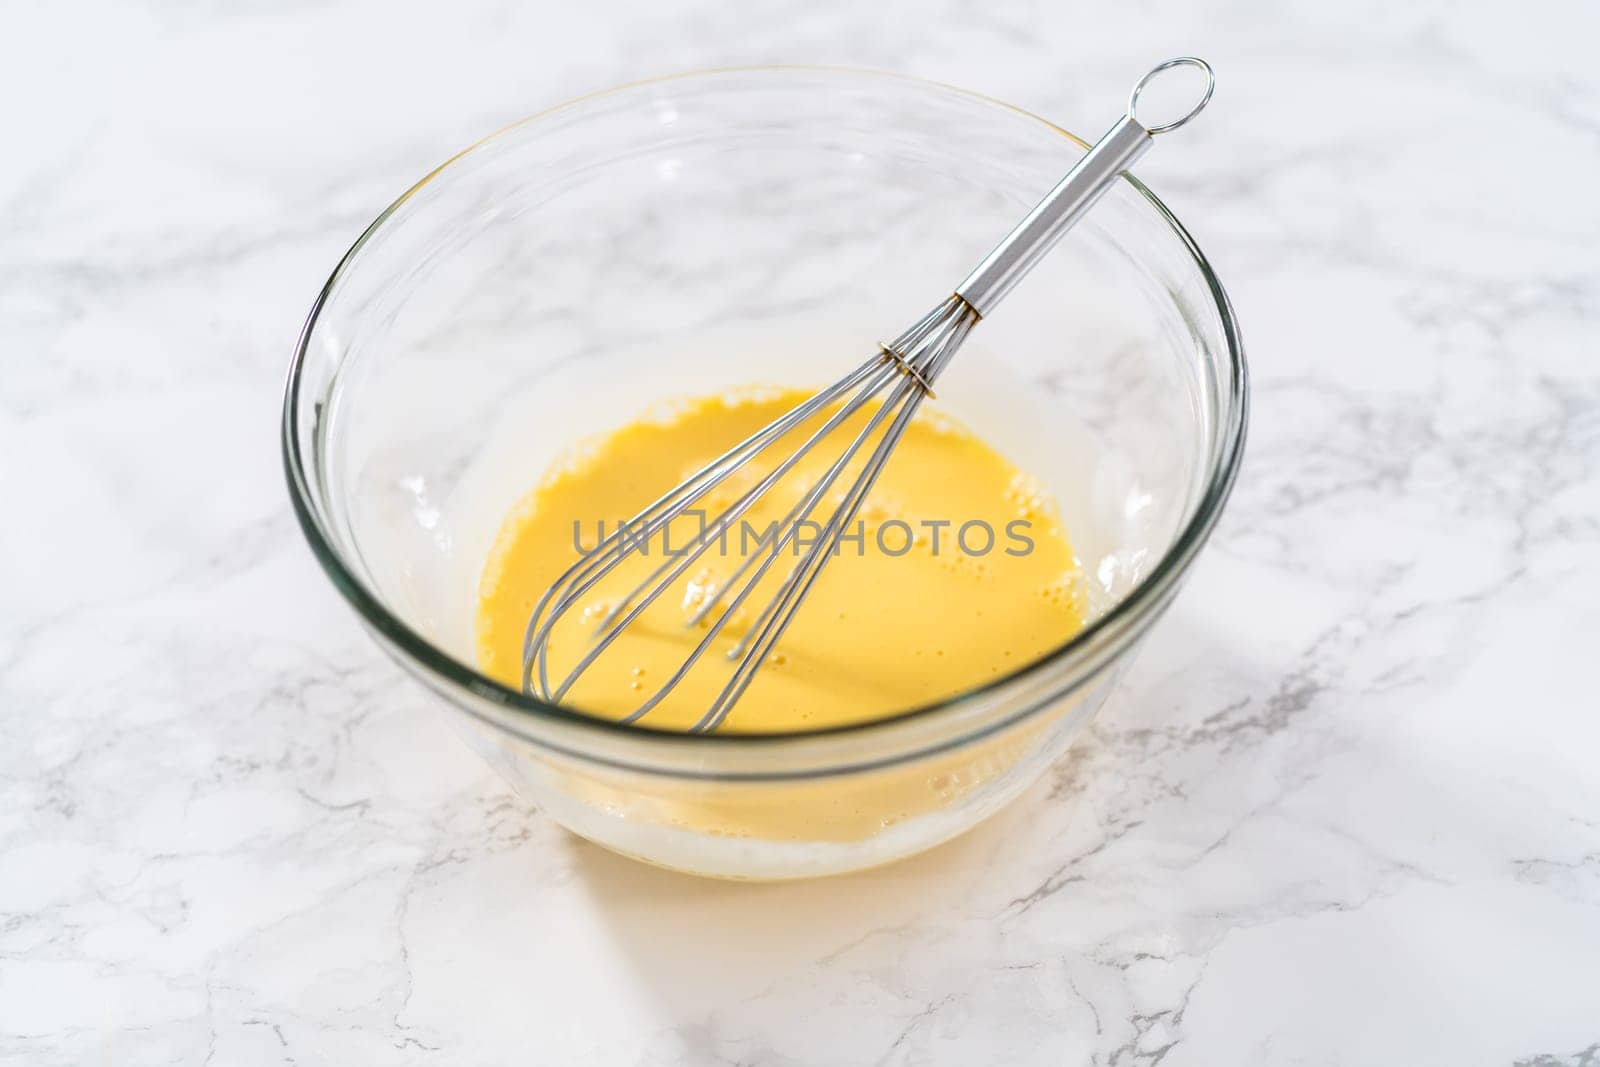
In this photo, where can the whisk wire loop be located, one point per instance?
(897, 378)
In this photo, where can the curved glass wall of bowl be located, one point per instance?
(684, 236)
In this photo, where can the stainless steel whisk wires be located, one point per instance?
(903, 368)
(902, 373)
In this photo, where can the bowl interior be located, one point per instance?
(750, 227)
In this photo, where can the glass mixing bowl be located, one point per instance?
(746, 227)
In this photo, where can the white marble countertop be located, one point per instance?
(1346, 809)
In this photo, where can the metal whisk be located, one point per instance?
(897, 378)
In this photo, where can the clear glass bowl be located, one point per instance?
(755, 226)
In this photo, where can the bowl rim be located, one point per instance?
(1122, 624)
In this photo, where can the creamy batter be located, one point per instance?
(955, 572)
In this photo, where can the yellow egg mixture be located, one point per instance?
(955, 571)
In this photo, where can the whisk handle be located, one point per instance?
(1073, 195)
